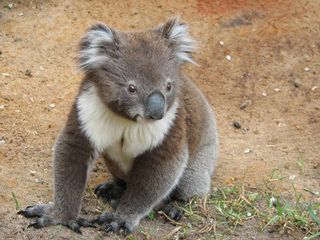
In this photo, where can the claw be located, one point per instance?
(77, 230)
(27, 214)
(21, 212)
(106, 217)
(34, 225)
(178, 215)
(85, 223)
(108, 228)
(111, 227)
(126, 230)
(172, 212)
(122, 228)
(74, 226)
(97, 191)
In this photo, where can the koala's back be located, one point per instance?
(202, 144)
(200, 119)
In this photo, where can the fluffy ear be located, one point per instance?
(94, 47)
(179, 40)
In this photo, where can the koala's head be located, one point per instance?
(137, 74)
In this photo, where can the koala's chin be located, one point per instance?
(158, 134)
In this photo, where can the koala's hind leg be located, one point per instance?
(172, 210)
(196, 179)
(111, 191)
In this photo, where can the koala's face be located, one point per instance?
(137, 74)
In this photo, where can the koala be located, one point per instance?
(152, 125)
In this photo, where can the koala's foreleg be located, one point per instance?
(153, 177)
(71, 162)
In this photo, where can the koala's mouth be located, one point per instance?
(143, 119)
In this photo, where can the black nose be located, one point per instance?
(155, 106)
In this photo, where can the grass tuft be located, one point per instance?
(15, 201)
(228, 208)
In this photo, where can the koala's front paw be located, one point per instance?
(112, 223)
(45, 217)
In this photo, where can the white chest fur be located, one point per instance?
(120, 138)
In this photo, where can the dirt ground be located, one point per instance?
(265, 53)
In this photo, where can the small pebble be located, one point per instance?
(236, 124)
(306, 69)
(1, 106)
(314, 88)
(247, 151)
(245, 103)
(32, 173)
(28, 73)
(2, 142)
(292, 177)
(277, 89)
(6, 75)
(221, 43)
(246, 129)
(273, 201)
(52, 105)
(37, 180)
(297, 82)
(264, 94)
(10, 5)
(41, 68)
(20, 14)
(228, 57)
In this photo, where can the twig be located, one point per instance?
(173, 232)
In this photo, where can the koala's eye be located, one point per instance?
(169, 86)
(132, 88)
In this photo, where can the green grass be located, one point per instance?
(15, 201)
(152, 215)
(301, 164)
(228, 208)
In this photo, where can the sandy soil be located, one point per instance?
(273, 45)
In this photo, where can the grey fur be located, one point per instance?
(179, 167)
